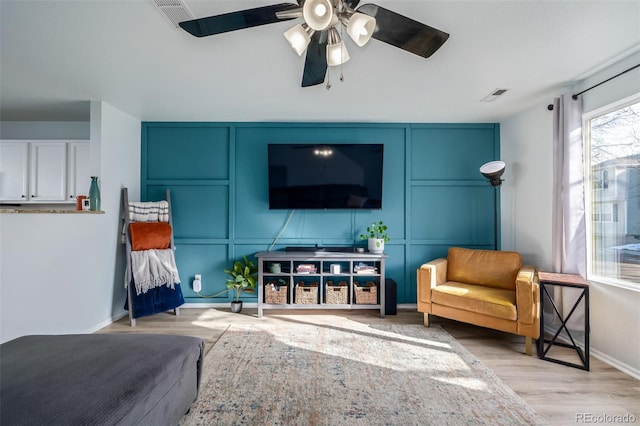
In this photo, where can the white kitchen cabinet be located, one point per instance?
(49, 171)
(78, 174)
(14, 171)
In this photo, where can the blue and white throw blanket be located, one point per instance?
(148, 211)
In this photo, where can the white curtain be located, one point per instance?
(569, 227)
(568, 232)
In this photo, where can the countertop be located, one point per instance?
(48, 211)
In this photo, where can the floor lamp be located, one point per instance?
(493, 170)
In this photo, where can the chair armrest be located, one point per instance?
(430, 275)
(527, 295)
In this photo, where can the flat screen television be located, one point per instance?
(325, 176)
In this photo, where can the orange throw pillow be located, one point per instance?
(150, 235)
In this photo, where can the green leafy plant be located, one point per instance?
(377, 231)
(244, 276)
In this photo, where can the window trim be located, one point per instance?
(588, 199)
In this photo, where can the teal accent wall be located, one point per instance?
(434, 196)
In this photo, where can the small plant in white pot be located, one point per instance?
(377, 236)
(243, 279)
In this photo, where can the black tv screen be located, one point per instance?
(325, 176)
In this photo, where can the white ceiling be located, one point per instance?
(56, 55)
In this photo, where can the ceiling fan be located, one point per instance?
(318, 35)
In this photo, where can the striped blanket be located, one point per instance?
(145, 211)
(149, 211)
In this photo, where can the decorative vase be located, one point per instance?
(236, 307)
(376, 245)
(94, 194)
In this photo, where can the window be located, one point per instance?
(612, 189)
(603, 212)
(601, 179)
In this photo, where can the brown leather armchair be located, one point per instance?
(483, 287)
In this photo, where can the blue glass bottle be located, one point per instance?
(94, 194)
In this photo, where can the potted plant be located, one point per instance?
(377, 236)
(244, 275)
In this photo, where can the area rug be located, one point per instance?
(355, 374)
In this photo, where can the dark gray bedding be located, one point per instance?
(99, 379)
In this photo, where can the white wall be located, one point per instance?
(526, 146)
(526, 194)
(44, 130)
(62, 273)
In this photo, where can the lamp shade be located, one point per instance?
(337, 52)
(298, 38)
(318, 14)
(493, 170)
(360, 28)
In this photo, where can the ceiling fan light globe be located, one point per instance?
(318, 14)
(298, 38)
(337, 54)
(360, 28)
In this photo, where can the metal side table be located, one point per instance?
(547, 282)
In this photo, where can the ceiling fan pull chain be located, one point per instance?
(328, 86)
(341, 51)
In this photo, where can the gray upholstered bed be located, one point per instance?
(99, 379)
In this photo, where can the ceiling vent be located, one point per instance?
(494, 95)
(174, 10)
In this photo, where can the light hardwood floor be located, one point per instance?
(561, 395)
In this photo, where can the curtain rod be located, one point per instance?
(574, 97)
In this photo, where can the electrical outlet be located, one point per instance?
(197, 283)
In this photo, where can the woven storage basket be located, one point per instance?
(367, 294)
(275, 295)
(307, 294)
(337, 294)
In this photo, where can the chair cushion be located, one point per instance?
(490, 268)
(495, 302)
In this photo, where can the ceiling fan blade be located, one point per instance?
(403, 32)
(352, 3)
(315, 64)
(232, 21)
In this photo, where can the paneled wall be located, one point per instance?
(433, 194)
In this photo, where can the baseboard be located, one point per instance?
(255, 305)
(413, 306)
(607, 359)
(578, 336)
(190, 305)
(625, 368)
(105, 323)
